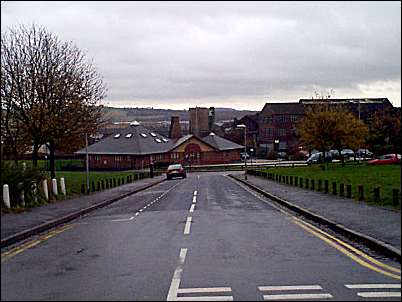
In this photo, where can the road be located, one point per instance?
(201, 238)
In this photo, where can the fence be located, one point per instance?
(334, 189)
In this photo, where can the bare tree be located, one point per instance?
(57, 90)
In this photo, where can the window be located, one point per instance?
(129, 135)
(267, 119)
(117, 135)
(294, 118)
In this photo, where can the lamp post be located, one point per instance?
(87, 161)
(245, 148)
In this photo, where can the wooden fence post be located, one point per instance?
(395, 197)
(377, 194)
(342, 190)
(349, 191)
(361, 193)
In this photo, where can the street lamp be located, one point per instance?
(245, 148)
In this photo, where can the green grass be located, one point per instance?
(386, 177)
(59, 163)
(74, 180)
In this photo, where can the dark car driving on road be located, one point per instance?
(176, 170)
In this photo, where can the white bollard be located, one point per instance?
(54, 186)
(45, 191)
(6, 196)
(35, 192)
(63, 186)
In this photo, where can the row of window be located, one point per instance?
(280, 119)
(277, 132)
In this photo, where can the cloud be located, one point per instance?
(242, 53)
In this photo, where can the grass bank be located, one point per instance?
(74, 180)
(386, 178)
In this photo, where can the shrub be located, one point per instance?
(18, 180)
(272, 155)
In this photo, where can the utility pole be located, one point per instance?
(87, 160)
(245, 149)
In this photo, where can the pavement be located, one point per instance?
(13, 224)
(381, 224)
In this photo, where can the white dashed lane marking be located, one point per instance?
(188, 225)
(175, 289)
(192, 208)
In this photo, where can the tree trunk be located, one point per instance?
(35, 152)
(52, 160)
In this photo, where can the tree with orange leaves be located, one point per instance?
(327, 127)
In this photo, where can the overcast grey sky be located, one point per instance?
(228, 54)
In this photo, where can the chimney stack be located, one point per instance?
(175, 129)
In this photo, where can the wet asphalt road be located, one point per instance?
(144, 247)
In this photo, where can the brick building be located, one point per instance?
(136, 146)
(276, 123)
(201, 120)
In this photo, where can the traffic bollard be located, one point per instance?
(6, 196)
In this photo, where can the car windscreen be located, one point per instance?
(174, 167)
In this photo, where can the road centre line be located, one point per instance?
(174, 285)
(380, 295)
(296, 297)
(192, 208)
(310, 228)
(188, 225)
(194, 199)
(195, 193)
(371, 286)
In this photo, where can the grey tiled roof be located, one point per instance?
(221, 143)
(135, 145)
(139, 145)
(284, 108)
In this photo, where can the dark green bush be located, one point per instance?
(19, 179)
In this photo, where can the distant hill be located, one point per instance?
(157, 115)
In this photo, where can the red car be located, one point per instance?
(387, 159)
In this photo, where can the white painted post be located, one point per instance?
(54, 186)
(35, 192)
(22, 195)
(63, 186)
(6, 196)
(45, 191)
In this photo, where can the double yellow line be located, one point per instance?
(350, 251)
(19, 249)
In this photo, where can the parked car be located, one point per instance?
(242, 155)
(282, 155)
(347, 153)
(364, 153)
(387, 159)
(318, 157)
(175, 170)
